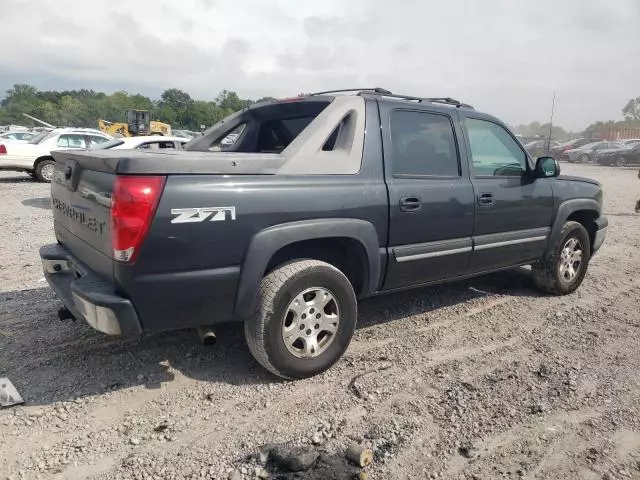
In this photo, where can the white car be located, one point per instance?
(16, 137)
(151, 142)
(34, 157)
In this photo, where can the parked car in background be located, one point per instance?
(587, 152)
(631, 142)
(34, 157)
(620, 157)
(16, 136)
(540, 148)
(151, 142)
(558, 151)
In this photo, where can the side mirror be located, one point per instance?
(547, 167)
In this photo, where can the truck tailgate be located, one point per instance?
(81, 200)
(83, 183)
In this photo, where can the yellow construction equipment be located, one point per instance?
(138, 123)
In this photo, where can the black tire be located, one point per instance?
(584, 158)
(43, 165)
(620, 162)
(547, 274)
(263, 331)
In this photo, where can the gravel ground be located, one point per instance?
(483, 379)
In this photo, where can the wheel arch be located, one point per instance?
(584, 211)
(348, 244)
(41, 159)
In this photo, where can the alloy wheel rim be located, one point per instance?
(570, 259)
(311, 322)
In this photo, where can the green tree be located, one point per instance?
(631, 110)
(84, 107)
(229, 101)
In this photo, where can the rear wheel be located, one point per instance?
(621, 162)
(305, 319)
(564, 271)
(44, 170)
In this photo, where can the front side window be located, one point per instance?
(423, 144)
(494, 152)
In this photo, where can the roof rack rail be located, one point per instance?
(448, 101)
(378, 90)
(383, 92)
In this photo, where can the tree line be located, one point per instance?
(630, 112)
(83, 108)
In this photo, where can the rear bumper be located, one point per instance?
(601, 233)
(86, 295)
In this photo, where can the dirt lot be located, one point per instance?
(483, 379)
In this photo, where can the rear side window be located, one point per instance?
(423, 144)
(72, 141)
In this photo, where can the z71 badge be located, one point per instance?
(212, 214)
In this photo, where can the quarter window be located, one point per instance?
(423, 144)
(494, 152)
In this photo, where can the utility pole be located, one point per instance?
(553, 106)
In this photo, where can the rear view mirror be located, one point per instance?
(547, 167)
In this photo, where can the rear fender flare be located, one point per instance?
(564, 211)
(267, 242)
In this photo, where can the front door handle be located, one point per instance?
(486, 199)
(410, 204)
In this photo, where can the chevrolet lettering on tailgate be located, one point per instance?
(77, 215)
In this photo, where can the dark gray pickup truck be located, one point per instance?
(284, 214)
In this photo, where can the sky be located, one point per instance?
(505, 57)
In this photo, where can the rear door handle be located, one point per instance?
(486, 199)
(410, 204)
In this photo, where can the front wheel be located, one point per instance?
(621, 162)
(306, 316)
(44, 170)
(564, 270)
(584, 158)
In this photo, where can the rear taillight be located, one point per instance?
(3, 150)
(133, 205)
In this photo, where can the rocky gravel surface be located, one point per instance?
(482, 379)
